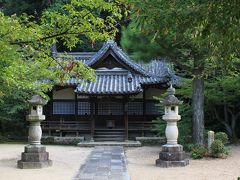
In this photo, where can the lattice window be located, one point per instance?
(110, 108)
(152, 108)
(135, 108)
(63, 107)
(84, 108)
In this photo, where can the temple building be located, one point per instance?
(118, 106)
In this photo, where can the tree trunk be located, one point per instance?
(198, 110)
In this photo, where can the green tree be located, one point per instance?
(222, 99)
(25, 51)
(30, 7)
(190, 34)
(26, 64)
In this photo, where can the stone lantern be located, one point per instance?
(172, 153)
(35, 155)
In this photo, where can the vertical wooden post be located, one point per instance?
(76, 111)
(92, 120)
(76, 106)
(144, 110)
(125, 110)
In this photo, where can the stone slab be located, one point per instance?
(166, 164)
(110, 165)
(34, 149)
(110, 143)
(34, 157)
(172, 156)
(172, 148)
(33, 165)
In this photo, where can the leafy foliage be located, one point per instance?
(26, 64)
(25, 51)
(198, 152)
(217, 148)
(222, 137)
(197, 36)
(31, 7)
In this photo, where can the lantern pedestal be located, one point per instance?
(172, 156)
(34, 157)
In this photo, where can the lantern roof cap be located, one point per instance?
(171, 99)
(37, 100)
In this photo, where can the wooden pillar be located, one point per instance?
(76, 111)
(144, 110)
(125, 112)
(76, 106)
(92, 120)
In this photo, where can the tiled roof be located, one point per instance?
(116, 82)
(119, 80)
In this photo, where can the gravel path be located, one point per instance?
(104, 163)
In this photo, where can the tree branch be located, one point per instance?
(173, 59)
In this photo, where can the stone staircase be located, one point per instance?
(109, 135)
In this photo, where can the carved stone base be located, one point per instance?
(172, 156)
(34, 157)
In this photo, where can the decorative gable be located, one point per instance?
(109, 62)
(110, 56)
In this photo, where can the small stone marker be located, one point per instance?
(35, 155)
(172, 154)
(210, 140)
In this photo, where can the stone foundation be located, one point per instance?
(34, 157)
(172, 156)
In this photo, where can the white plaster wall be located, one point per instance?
(153, 92)
(67, 93)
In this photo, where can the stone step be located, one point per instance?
(108, 133)
(110, 143)
(105, 129)
(109, 139)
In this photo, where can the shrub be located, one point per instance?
(47, 140)
(197, 151)
(3, 139)
(222, 137)
(188, 147)
(217, 148)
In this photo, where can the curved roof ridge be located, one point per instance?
(119, 52)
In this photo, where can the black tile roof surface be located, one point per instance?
(120, 80)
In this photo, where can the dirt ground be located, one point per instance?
(141, 166)
(140, 161)
(66, 161)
